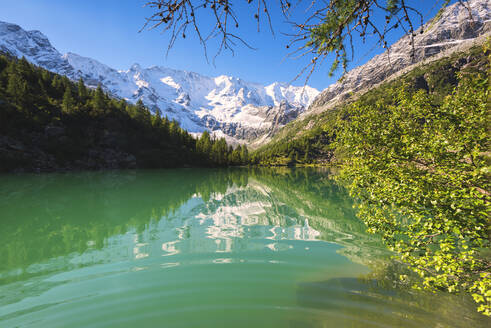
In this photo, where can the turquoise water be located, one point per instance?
(200, 248)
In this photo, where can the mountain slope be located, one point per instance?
(311, 140)
(49, 123)
(230, 106)
(450, 32)
(34, 46)
(451, 28)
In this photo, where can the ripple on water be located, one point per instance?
(189, 248)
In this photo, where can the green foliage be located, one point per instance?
(33, 100)
(82, 90)
(420, 170)
(311, 144)
(68, 101)
(100, 104)
(329, 36)
(317, 132)
(217, 151)
(413, 151)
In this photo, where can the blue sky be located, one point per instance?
(108, 31)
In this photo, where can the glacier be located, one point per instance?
(227, 106)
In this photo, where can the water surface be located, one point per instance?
(200, 248)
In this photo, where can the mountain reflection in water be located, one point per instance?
(207, 248)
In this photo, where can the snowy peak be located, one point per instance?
(226, 105)
(34, 46)
(198, 102)
(15, 39)
(93, 72)
(87, 65)
(301, 96)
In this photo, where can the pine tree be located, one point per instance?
(244, 155)
(17, 88)
(236, 156)
(65, 81)
(165, 127)
(25, 69)
(122, 105)
(46, 77)
(3, 63)
(141, 113)
(157, 119)
(3, 76)
(42, 89)
(174, 130)
(219, 151)
(82, 91)
(57, 87)
(99, 100)
(203, 145)
(68, 102)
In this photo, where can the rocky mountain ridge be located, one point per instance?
(225, 105)
(457, 25)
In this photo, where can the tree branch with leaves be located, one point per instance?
(325, 28)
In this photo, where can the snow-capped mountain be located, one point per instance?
(458, 24)
(229, 106)
(34, 46)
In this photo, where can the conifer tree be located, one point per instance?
(99, 100)
(65, 81)
(157, 119)
(166, 126)
(325, 28)
(17, 88)
(244, 154)
(82, 91)
(42, 92)
(3, 63)
(3, 77)
(57, 86)
(24, 69)
(31, 98)
(203, 145)
(122, 105)
(236, 156)
(45, 78)
(68, 101)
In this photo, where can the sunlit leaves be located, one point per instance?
(420, 172)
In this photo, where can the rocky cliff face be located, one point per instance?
(452, 28)
(34, 46)
(226, 105)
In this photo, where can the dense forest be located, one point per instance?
(48, 122)
(311, 141)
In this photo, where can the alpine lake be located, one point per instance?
(258, 247)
